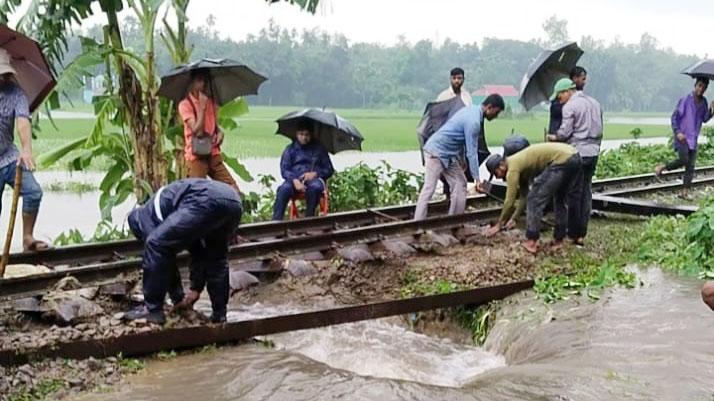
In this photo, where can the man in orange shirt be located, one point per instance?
(199, 114)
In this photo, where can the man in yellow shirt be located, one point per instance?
(554, 168)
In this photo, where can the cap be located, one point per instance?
(492, 164)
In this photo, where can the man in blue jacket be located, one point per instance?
(195, 214)
(305, 166)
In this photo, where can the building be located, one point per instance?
(508, 92)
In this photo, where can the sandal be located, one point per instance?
(37, 246)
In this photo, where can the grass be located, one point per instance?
(383, 130)
(42, 391)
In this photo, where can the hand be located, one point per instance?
(511, 224)
(493, 230)
(681, 138)
(202, 101)
(299, 186)
(310, 175)
(27, 161)
(218, 138)
(552, 138)
(482, 187)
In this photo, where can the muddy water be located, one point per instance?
(653, 342)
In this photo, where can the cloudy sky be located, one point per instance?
(680, 24)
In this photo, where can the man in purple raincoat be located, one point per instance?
(687, 119)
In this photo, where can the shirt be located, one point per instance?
(13, 105)
(449, 94)
(457, 136)
(556, 116)
(688, 118)
(525, 165)
(299, 159)
(188, 108)
(582, 124)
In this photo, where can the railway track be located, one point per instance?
(363, 226)
(75, 255)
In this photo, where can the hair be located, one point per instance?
(304, 125)
(703, 80)
(494, 100)
(577, 71)
(457, 71)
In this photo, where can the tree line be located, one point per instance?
(315, 68)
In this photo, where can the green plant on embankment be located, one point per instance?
(104, 232)
(682, 245)
(39, 392)
(477, 320)
(632, 158)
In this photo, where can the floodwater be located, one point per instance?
(61, 211)
(652, 342)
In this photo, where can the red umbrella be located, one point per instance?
(31, 69)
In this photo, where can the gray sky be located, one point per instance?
(676, 24)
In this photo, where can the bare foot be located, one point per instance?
(556, 244)
(187, 302)
(531, 246)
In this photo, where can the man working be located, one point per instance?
(195, 214)
(687, 119)
(305, 166)
(582, 128)
(454, 90)
(554, 167)
(443, 153)
(579, 76)
(15, 112)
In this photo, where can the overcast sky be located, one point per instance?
(681, 25)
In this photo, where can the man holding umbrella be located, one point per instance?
(687, 119)
(15, 112)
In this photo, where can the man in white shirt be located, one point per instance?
(457, 81)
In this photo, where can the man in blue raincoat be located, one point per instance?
(305, 166)
(195, 214)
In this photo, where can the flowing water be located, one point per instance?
(650, 343)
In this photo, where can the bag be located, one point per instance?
(201, 145)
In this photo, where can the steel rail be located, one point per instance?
(192, 337)
(108, 251)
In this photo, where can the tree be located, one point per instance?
(556, 31)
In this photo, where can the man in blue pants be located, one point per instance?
(195, 214)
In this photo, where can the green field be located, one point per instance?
(383, 131)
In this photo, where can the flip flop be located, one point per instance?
(38, 246)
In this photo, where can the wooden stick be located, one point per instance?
(13, 213)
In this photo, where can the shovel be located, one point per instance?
(13, 213)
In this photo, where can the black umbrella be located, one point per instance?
(704, 69)
(227, 80)
(332, 131)
(545, 71)
(435, 115)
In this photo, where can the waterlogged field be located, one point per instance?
(383, 130)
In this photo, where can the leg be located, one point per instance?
(434, 168)
(31, 193)
(219, 172)
(282, 197)
(543, 191)
(313, 192)
(689, 168)
(445, 185)
(682, 159)
(457, 181)
(588, 171)
(198, 168)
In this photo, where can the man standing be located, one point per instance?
(305, 166)
(443, 153)
(15, 112)
(195, 214)
(579, 76)
(454, 90)
(582, 128)
(687, 119)
(554, 168)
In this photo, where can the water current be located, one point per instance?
(649, 343)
